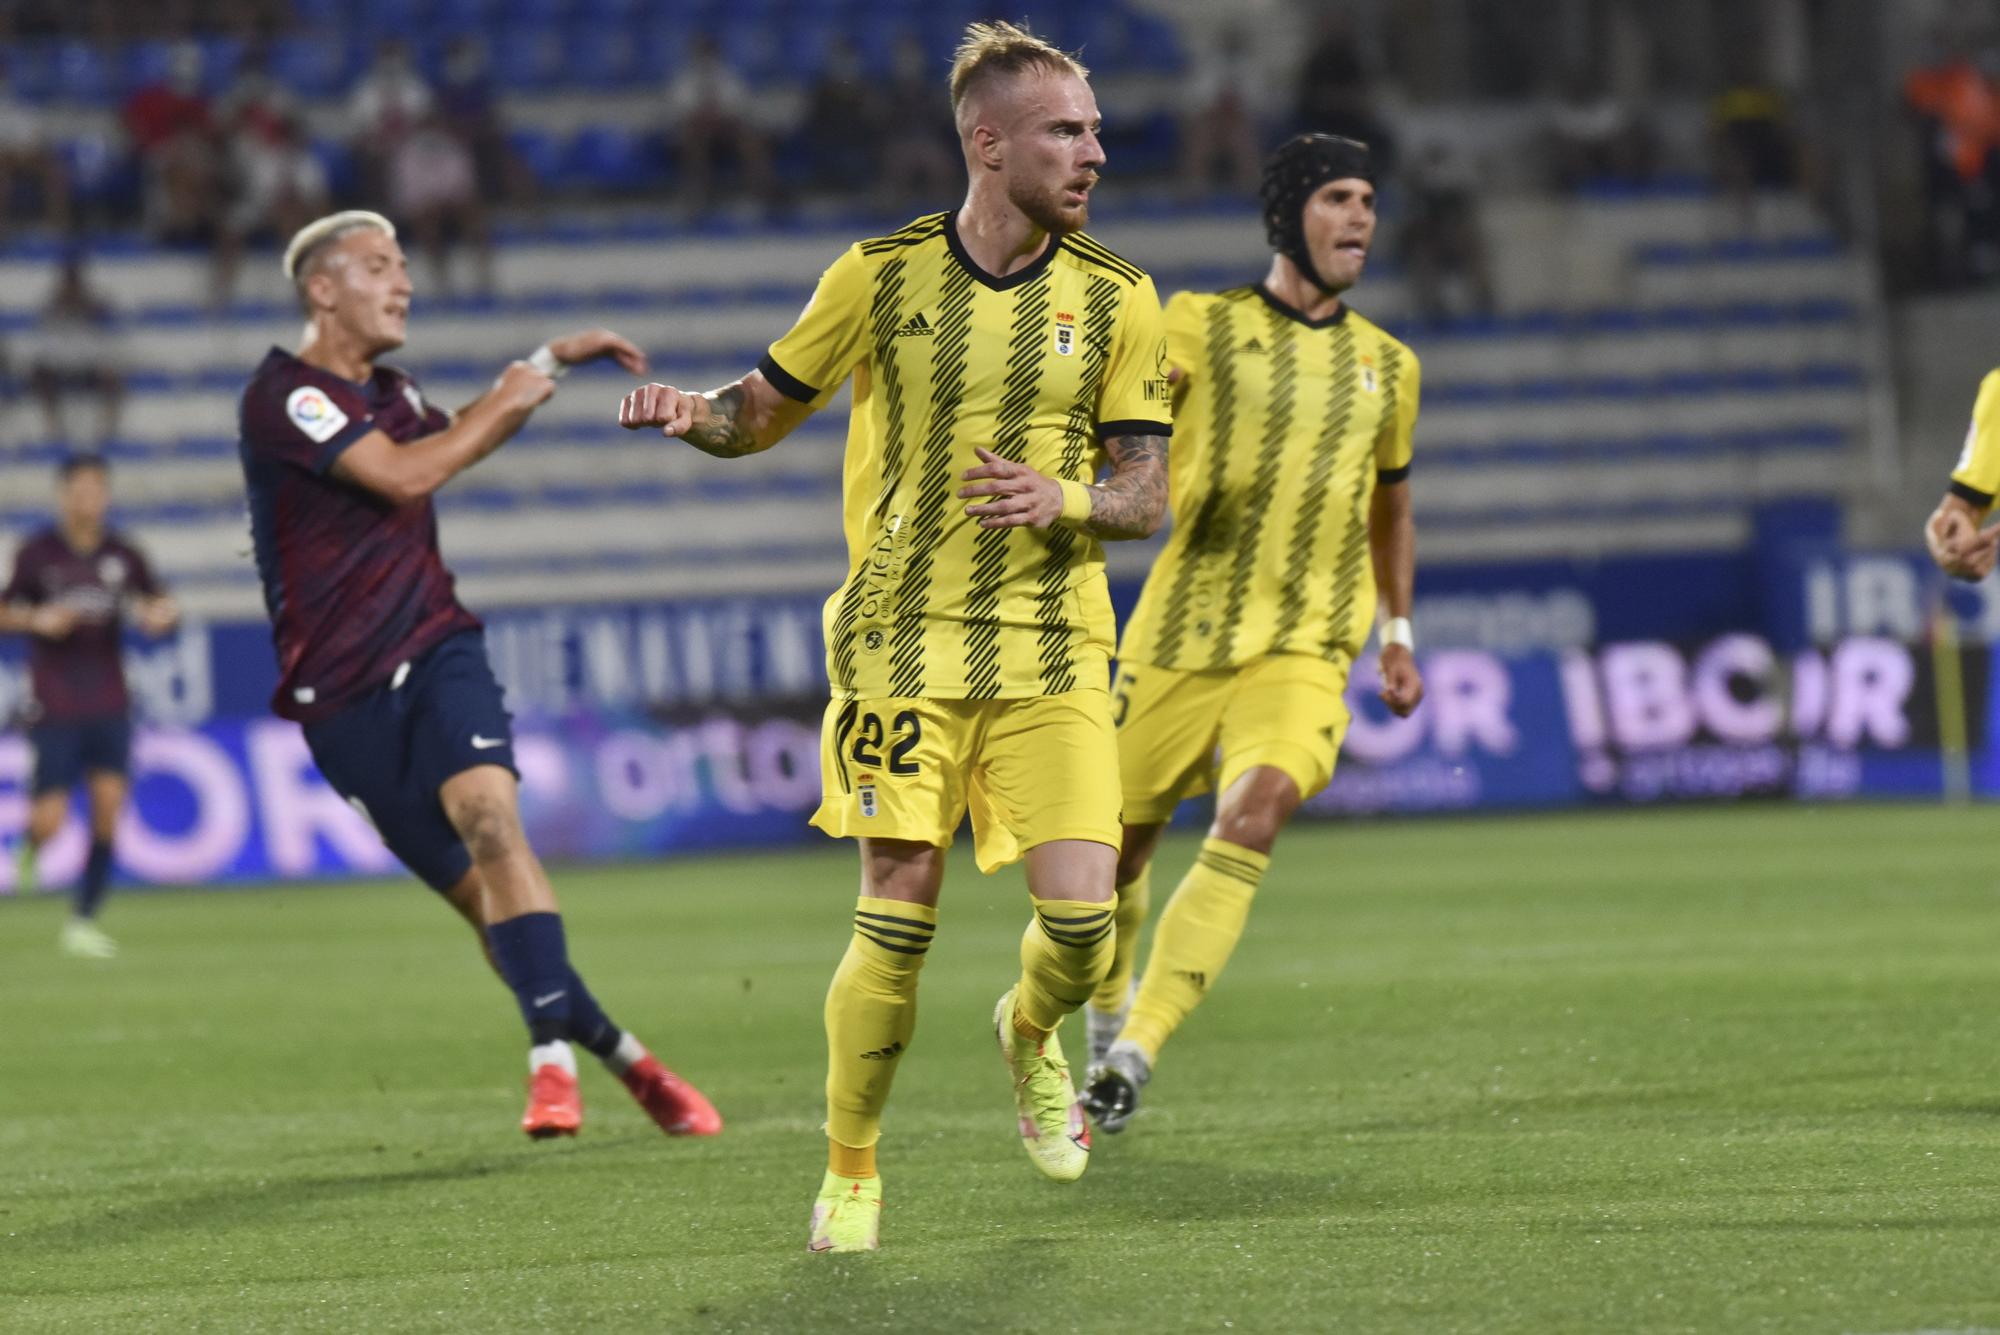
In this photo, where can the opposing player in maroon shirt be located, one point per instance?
(73, 585)
(379, 661)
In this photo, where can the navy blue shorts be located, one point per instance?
(389, 752)
(67, 751)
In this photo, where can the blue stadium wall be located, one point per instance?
(1796, 671)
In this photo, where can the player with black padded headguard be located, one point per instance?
(1292, 496)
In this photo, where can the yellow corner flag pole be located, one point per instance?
(1954, 758)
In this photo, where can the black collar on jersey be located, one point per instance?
(1298, 316)
(1012, 280)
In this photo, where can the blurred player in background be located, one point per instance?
(379, 661)
(1958, 545)
(73, 585)
(997, 354)
(1292, 490)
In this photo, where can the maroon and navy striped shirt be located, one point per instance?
(355, 586)
(82, 675)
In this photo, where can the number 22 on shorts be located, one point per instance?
(902, 737)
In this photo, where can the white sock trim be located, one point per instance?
(551, 1054)
(629, 1053)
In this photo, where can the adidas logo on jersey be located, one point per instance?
(1254, 345)
(915, 325)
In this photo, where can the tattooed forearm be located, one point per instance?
(723, 432)
(1132, 502)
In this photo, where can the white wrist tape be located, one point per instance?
(545, 361)
(1397, 630)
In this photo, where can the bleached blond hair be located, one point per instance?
(325, 231)
(990, 52)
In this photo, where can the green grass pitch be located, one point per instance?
(1726, 1070)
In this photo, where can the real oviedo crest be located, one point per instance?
(1065, 333)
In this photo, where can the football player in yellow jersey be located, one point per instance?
(998, 356)
(1961, 549)
(1292, 501)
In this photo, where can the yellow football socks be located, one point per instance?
(871, 1013)
(1064, 954)
(850, 1162)
(1135, 897)
(1193, 940)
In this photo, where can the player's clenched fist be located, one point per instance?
(522, 388)
(1956, 542)
(674, 411)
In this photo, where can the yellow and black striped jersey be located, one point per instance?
(1039, 366)
(1286, 425)
(1977, 476)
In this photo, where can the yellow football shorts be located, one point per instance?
(1182, 733)
(1029, 771)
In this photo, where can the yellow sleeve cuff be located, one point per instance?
(1076, 501)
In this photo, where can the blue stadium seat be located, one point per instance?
(534, 12)
(343, 176)
(391, 18)
(220, 57)
(32, 70)
(1155, 45)
(83, 74)
(540, 153)
(1147, 147)
(143, 63)
(321, 13)
(755, 51)
(455, 16)
(313, 64)
(604, 53)
(614, 160)
(802, 47)
(100, 172)
(528, 58)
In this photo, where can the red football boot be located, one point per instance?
(677, 1106)
(555, 1108)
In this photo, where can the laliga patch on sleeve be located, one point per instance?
(314, 413)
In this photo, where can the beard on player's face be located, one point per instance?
(1042, 203)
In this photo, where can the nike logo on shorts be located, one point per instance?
(486, 743)
(550, 999)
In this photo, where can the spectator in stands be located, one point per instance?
(1335, 93)
(255, 101)
(25, 150)
(279, 185)
(76, 350)
(1443, 246)
(434, 190)
(1594, 136)
(1957, 104)
(1753, 145)
(710, 116)
(1219, 127)
(386, 105)
(469, 109)
(173, 133)
(847, 117)
(921, 164)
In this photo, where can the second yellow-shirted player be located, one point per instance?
(998, 357)
(1958, 545)
(1292, 504)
